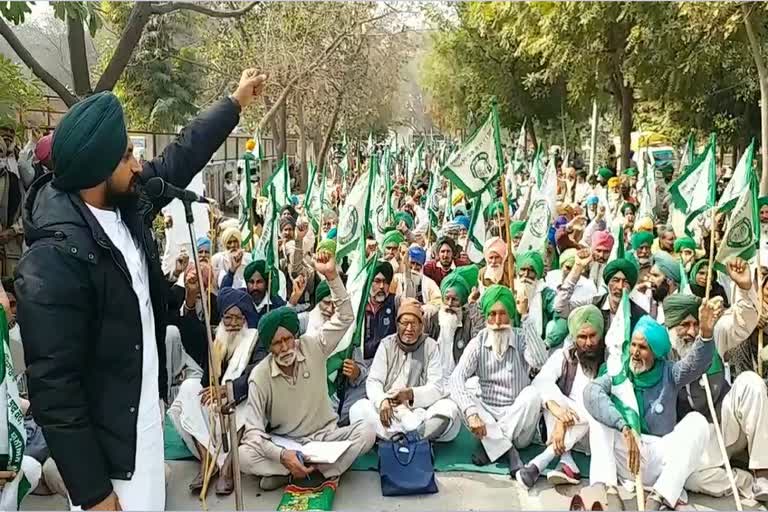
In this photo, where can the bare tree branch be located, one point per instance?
(32, 63)
(196, 7)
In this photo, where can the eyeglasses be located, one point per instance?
(233, 319)
(405, 324)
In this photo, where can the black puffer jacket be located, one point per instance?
(80, 318)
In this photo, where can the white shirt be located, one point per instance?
(146, 489)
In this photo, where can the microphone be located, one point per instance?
(157, 187)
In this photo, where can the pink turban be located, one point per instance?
(602, 240)
(497, 245)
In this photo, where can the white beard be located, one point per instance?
(526, 286)
(494, 274)
(500, 338)
(448, 322)
(225, 343)
(679, 345)
(637, 367)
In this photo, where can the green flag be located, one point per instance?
(353, 217)
(693, 193)
(743, 231)
(280, 181)
(266, 246)
(739, 182)
(617, 341)
(475, 165)
(13, 436)
(313, 200)
(541, 213)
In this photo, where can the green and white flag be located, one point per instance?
(743, 232)
(433, 201)
(693, 193)
(478, 226)
(617, 341)
(416, 163)
(353, 217)
(266, 246)
(646, 188)
(313, 200)
(359, 279)
(537, 168)
(475, 165)
(379, 201)
(13, 436)
(688, 156)
(541, 213)
(280, 180)
(739, 182)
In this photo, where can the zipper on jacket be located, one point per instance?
(117, 263)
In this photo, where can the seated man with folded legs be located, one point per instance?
(234, 349)
(741, 406)
(561, 385)
(288, 395)
(405, 384)
(668, 450)
(506, 413)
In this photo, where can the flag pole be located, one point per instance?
(705, 377)
(503, 180)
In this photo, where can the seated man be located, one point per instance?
(530, 282)
(742, 407)
(619, 274)
(668, 451)
(234, 355)
(256, 281)
(412, 283)
(404, 384)
(311, 322)
(584, 287)
(496, 269)
(231, 258)
(438, 268)
(505, 413)
(288, 395)
(380, 317)
(455, 322)
(561, 385)
(664, 279)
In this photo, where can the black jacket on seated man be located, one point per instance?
(80, 315)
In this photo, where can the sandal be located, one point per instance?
(577, 503)
(225, 485)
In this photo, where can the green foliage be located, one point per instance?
(13, 11)
(87, 12)
(17, 92)
(160, 85)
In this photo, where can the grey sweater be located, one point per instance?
(659, 405)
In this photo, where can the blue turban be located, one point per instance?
(656, 336)
(331, 234)
(418, 255)
(668, 266)
(463, 220)
(204, 242)
(231, 297)
(592, 200)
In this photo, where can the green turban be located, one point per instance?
(405, 217)
(89, 142)
(498, 293)
(568, 257)
(762, 201)
(668, 266)
(678, 306)
(695, 270)
(531, 259)
(327, 245)
(555, 332)
(281, 317)
(631, 172)
(259, 266)
(494, 209)
(322, 291)
(393, 237)
(641, 238)
(586, 315)
(628, 206)
(655, 334)
(624, 266)
(516, 228)
(471, 273)
(456, 282)
(685, 242)
(605, 173)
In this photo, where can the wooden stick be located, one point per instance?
(759, 361)
(508, 237)
(639, 489)
(705, 377)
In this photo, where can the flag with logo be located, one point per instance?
(617, 341)
(379, 201)
(475, 165)
(13, 436)
(743, 232)
(416, 163)
(693, 193)
(353, 217)
(739, 182)
(266, 246)
(540, 213)
(313, 200)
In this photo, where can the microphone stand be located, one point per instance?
(227, 405)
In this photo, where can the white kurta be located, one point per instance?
(146, 488)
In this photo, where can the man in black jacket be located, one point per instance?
(92, 298)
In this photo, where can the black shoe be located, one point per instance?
(515, 462)
(527, 475)
(480, 458)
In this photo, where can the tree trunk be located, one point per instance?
(78, 58)
(762, 74)
(302, 146)
(282, 123)
(329, 131)
(531, 129)
(130, 37)
(627, 105)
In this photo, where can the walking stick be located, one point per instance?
(760, 309)
(705, 377)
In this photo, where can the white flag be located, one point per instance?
(694, 192)
(475, 164)
(352, 217)
(741, 235)
(739, 182)
(541, 213)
